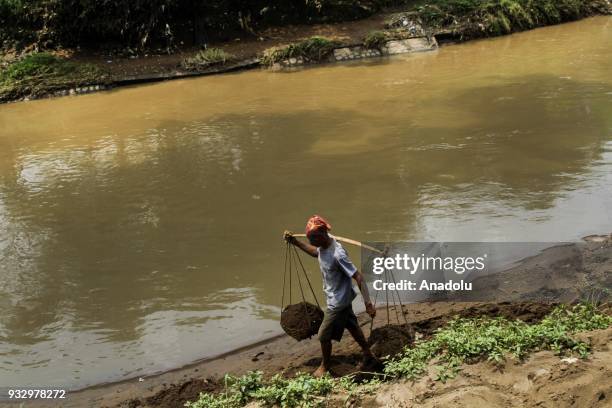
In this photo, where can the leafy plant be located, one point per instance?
(301, 391)
(215, 401)
(492, 338)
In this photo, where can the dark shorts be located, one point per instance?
(334, 323)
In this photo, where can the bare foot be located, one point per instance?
(320, 372)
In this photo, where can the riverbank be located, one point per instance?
(560, 274)
(416, 26)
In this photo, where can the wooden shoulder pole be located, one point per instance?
(350, 241)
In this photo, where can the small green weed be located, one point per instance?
(208, 57)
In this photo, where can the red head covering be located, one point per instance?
(316, 223)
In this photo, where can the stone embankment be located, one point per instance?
(360, 51)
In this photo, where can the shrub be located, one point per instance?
(313, 49)
(474, 18)
(45, 65)
(375, 39)
(39, 73)
(146, 23)
(208, 57)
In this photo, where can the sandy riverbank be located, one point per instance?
(565, 274)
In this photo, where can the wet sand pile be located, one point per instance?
(390, 340)
(529, 312)
(301, 320)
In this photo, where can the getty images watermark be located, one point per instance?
(405, 263)
(457, 271)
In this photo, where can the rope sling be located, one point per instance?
(301, 320)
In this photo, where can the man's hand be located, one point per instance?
(370, 309)
(288, 236)
(309, 249)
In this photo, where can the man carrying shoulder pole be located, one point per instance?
(337, 270)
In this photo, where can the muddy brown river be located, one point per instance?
(140, 229)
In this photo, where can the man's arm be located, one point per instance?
(363, 288)
(309, 249)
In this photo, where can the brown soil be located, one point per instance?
(390, 340)
(544, 379)
(179, 394)
(301, 320)
(528, 312)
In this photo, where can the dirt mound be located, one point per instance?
(301, 320)
(528, 312)
(390, 340)
(543, 380)
(178, 394)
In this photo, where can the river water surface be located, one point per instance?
(140, 229)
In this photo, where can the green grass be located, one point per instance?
(375, 39)
(301, 391)
(313, 49)
(463, 340)
(40, 73)
(208, 57)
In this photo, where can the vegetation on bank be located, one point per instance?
(42, 73)
(378, 38)
(161, 23)
(485, 18)
(313, 49)
(462, 340)
(44, 24)
(302, 391)
(375, 39)
(49, 24)
(472, 339)
(207, 58)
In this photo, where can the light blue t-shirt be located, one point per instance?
(337, 270)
